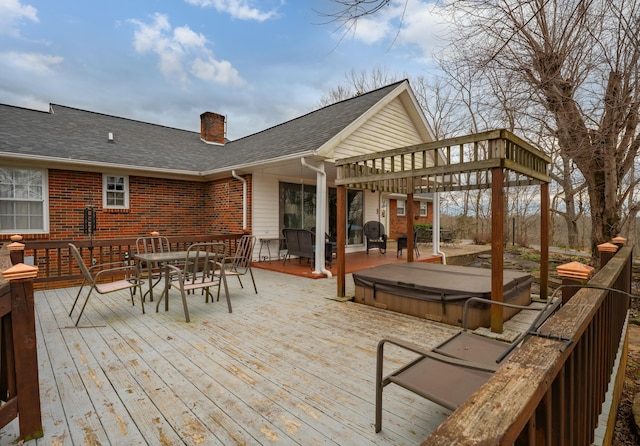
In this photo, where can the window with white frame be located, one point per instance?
(400, 207)
(423, 209)
(115, 192)
(24, 197)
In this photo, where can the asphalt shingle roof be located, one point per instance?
(72, 134)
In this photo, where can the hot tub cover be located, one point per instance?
(442, 283)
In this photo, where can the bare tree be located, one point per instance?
(578, 61)
(357, 83)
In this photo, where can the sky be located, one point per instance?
(259, 63)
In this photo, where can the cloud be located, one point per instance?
(12, 12)
(183, 53)
(238, 9)
(30, 62)
(414, 23)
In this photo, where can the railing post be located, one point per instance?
(574, 274)
(607, 251)
(16, 249)
(23, 325)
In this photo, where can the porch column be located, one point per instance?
(341, 226)
(497, 247)
(321, 216)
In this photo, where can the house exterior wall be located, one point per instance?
(172, 207)
(398, 223)
(265, 206)
(224, 205)
(390, 128)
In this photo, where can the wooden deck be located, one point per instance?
(288, 366)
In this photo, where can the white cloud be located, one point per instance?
(182, 52)
(209, 69)
(412, 23)
(31, 62)
(238, 9)
(12, 12)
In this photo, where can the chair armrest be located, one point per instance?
(429, 354)
(112, 271)
(403, 344)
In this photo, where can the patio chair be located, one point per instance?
(149, 245)
(203, 268)
(105, 278)
(240, 264)
(403, 241)
(451, 372)
(299, 243)
(375, 236)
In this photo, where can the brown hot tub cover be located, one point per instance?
(450, 284)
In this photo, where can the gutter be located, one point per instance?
(244, 198)
(321, 206)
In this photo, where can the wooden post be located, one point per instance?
(544, 240)
(607, 251)
(497, 248)
(410, 212)
(25, 349)
(16, 249)
(341, 238)
(573, 275)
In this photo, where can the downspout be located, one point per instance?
(244, 199)
(436, 228)
(321, 206)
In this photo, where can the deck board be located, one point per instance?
(287, 367)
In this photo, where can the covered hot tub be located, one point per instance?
(438, 292)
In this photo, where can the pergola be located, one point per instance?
(494, 160)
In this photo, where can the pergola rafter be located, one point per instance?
(493, 160)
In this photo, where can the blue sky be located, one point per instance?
(259, 63)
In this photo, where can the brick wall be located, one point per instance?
(171, 207)
(398, 224)
(225, 205)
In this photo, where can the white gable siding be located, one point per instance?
(388, 129)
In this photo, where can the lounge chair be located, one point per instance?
(450, 373)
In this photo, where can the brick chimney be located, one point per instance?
(212, 127)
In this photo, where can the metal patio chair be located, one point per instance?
(105, 278)
(151, 245)
(240, 263)
(203, 268)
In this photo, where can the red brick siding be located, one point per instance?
(225, 205)
(398, 224)
(172, 207)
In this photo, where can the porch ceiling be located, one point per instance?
(294, 169)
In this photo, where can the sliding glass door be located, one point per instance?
(298, 210)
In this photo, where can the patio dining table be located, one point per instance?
(161, 259)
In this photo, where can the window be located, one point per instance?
(355, 217)
(115, 192)
(23, 200)
(400, 207)
(423, 209)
